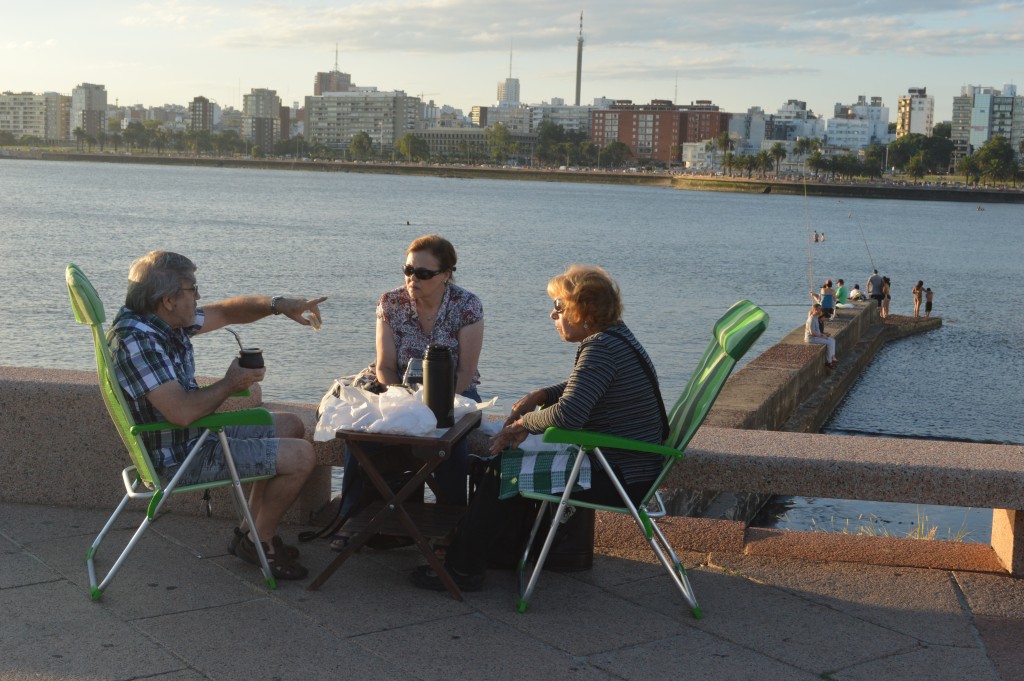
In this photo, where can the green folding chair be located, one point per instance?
(734, 333)
(140, 479)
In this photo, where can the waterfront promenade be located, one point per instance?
(184, 610)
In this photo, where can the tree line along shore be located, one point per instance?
(808, 186)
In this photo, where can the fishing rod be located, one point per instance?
(810, 254)
(861, 229)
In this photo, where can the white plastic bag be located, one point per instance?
(350, 409)
(396, 411)
(464, 405)
(404, 413)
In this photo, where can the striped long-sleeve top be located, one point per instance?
(608, 392)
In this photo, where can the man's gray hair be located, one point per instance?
(155, 275)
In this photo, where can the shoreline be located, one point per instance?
(862, 190)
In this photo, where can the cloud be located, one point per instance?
(826, 27)
(30, 45)
(170, 14)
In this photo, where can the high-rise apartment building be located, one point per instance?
(915, 113)
(508, 93)
(88, 109)
(858, 126)
(334, 118)
(331, 81)
(657, 131)
(796, 120)
(200, 114)
(981, 113)
(651, 131)
(701, 121)
(570, 118)
(24, 114)
(261, 117)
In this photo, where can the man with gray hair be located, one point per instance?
(150, 340)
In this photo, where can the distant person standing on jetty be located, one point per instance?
(886, 298)
(928, 302)
(874, 288)
(813, 333)
(918, 292)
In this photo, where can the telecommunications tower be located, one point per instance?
(579, 60)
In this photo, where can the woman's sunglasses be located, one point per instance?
(421, 273)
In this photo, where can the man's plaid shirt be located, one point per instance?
(148, 353)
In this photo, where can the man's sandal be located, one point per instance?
(286, 550)
(280, 566)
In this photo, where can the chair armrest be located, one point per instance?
(242, 417)
(589, 439)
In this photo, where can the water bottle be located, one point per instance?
(413, 372)
(439, 384)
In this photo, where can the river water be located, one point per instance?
(680, 257)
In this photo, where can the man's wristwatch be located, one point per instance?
(273, 304)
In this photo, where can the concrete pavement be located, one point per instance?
(182, 609)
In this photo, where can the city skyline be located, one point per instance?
(756, 54)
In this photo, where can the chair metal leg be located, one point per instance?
(524, 560)
(243, 506)
(675, 570)
(556, 520)
(96, 590)
(674, 567)
(156, 504)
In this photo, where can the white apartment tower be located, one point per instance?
(857, 126)
(915, 113)
(334, 118)
(508, 93)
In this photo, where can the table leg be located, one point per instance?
(393, 504)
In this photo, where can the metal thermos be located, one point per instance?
(439, 384)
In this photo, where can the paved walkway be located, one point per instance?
(183, 609)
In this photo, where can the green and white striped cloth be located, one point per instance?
(541, 471)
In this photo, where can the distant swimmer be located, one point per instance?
(815, 236)
(406, 222)
(823, 236)
(981, 207)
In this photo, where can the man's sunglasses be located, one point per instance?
(421, 273)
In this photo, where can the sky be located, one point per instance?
(736, 53)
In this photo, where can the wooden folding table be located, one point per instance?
(396, 513)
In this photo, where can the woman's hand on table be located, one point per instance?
(510, 436)
(525, 405)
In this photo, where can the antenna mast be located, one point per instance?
(335, 56)
(579, 61)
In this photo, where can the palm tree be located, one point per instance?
(778, 152)
(816, 162)
(80, 136)
(763, 162)
(729, 162)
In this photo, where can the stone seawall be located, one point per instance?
(789, 388)
(59, 446)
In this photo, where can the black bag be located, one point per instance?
(573, 547)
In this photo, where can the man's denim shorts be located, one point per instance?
(253, 449)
